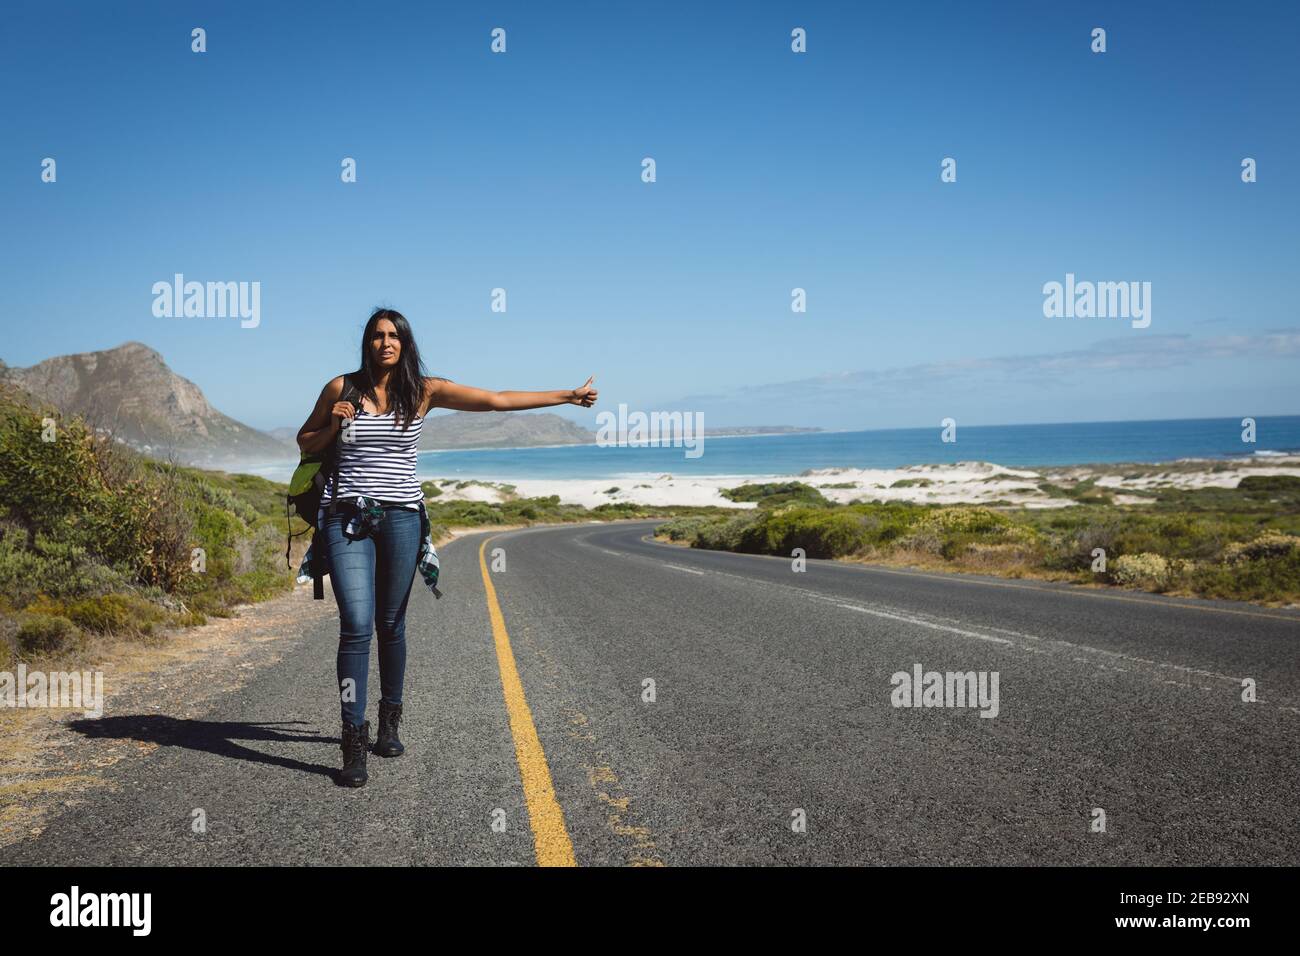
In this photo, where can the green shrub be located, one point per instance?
(1083, 492)
(1070, 543)
(85, 518)
(218, 533)
(725, 534)
(1268, 545)
(776, 494)
(103, 614)
(48, 634)
(684, 528)
(615, 509)
(1273, 577)
(1269, 483)
(963, 520)
(468, 513)
(886, 522)
(223, 499)
(1014, 541)
(922, 541)
(116, 614)
(819, 532)
(61, 569)
(84, 490)
(1149, 571)
(1185, 535)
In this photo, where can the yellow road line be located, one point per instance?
(550, 838)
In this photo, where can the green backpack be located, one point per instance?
(308, 485)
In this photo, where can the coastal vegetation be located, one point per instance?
(100, 542)
(1241, 543)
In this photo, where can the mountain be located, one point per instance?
(736, 430)
(501, 430)
(130, 392)
(525, 429)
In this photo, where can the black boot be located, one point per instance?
(356, 740)
(386, 742)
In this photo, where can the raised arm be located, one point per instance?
(440, 393)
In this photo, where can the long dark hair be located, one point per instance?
(406, 381)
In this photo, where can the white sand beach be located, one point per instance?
(964, 483)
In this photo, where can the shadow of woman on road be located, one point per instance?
(209, 736)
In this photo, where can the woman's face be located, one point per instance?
(385, 347)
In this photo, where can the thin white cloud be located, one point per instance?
(1125, 353)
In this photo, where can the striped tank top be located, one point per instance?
(378, 461)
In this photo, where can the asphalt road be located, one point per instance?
(771, 737)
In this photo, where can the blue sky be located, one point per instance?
(775, 170)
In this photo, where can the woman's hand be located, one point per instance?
(585, 395)
(326, 418)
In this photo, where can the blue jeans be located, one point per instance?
(371, 578)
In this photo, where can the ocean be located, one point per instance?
(1015, 445)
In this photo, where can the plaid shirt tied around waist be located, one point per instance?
(365, 514)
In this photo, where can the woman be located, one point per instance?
(371, 572)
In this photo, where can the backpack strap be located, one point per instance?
(317, 569)
(351, 394)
